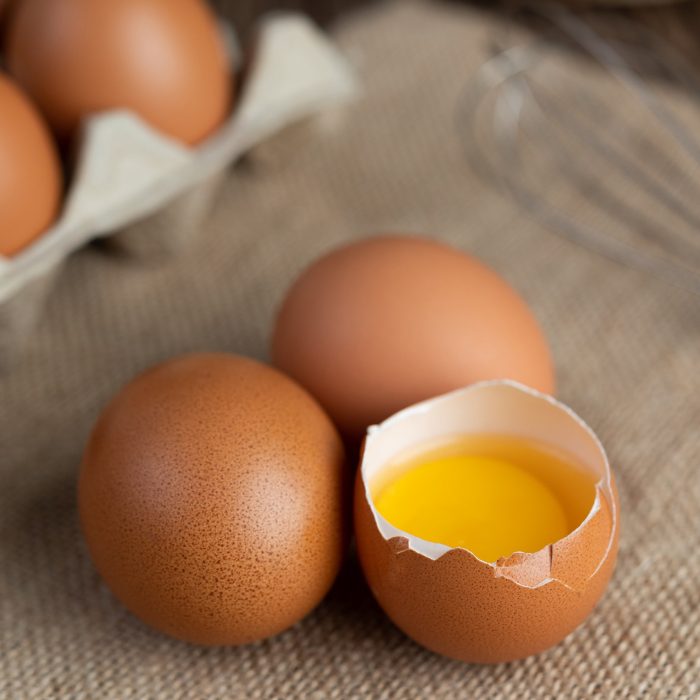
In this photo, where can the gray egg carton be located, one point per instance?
(127, 172)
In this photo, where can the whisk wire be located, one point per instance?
(517, 109)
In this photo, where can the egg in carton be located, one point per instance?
(144, 191)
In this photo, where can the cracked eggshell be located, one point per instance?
(212, 497)
(447, 599)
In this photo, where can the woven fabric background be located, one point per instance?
(628, 355)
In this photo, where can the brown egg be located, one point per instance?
(446, 598)
(212, 499)
(30, 171)
(383, 323)
(163, 59)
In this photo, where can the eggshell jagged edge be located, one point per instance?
(560, 562)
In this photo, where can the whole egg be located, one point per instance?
(213, 499)
(30, 171)
(385, 322)
(165, 60)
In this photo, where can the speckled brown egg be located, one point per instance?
(164, 60)
(391, 320)
(30, 171)
(211, 497)
(446, 598)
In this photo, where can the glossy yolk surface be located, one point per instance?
(490, 506)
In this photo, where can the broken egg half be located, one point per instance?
(477, 608)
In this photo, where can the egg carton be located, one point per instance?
(127, 173)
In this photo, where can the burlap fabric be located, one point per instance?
(627, 350)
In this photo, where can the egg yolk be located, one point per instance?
(488, 505)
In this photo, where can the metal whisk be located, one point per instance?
(608, 158)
